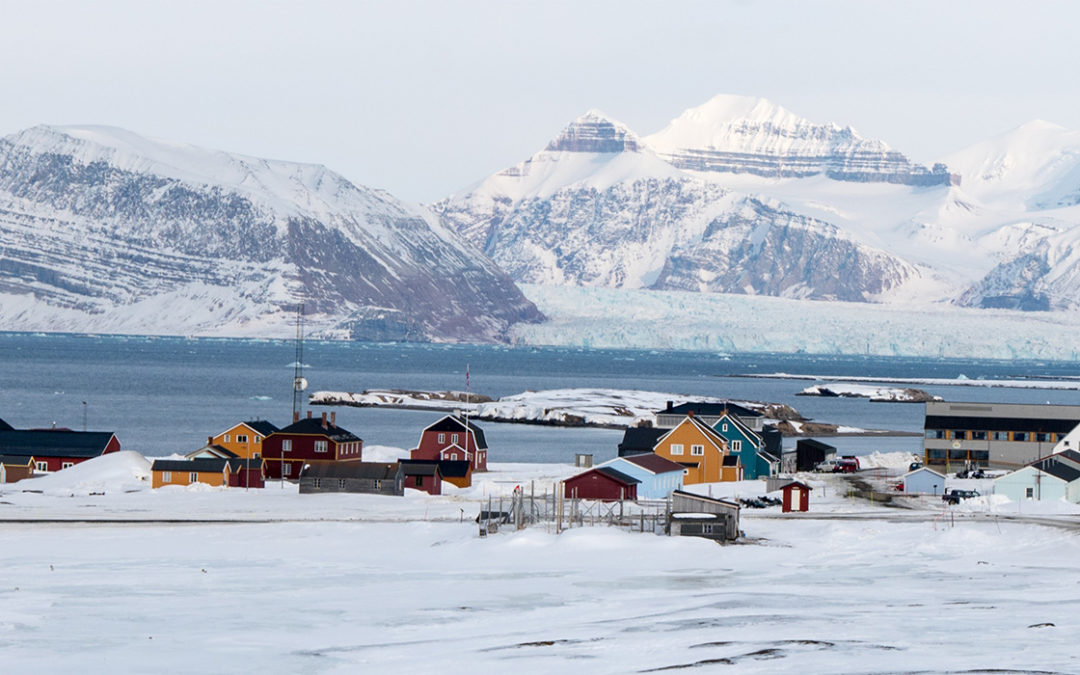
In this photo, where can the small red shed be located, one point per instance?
(422, 475)
(796, 497)
(602, 483)
(246, 473)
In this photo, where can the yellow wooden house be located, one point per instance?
(244, 439)
(209, 471)
(702, 451)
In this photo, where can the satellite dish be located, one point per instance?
(300, 384)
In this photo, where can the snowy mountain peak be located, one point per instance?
(595, 132)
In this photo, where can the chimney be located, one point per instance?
(296, 416)
(670, 404)
(309, 414)
(324, 420)
(209, 440)
(333, 419)
(690, 413)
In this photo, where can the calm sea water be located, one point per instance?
(166, 395)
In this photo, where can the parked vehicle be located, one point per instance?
(847, 465)
(828, 466)
(956, 496)
(915, 466)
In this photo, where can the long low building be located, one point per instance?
(994, 435)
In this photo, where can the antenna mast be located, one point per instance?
(299, 383)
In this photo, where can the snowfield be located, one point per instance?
(359, 583)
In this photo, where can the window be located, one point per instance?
(166, 476)
(320, 446)
(419, 481)
(341, 483)
(697, 450)
(453, 438)
(676, 448)
(241, 438)
(193, 477)
(978, 435)
(1001, 435)
(286, 445)
(1020, 436)
(41, 466)
(706, 529)
(286, 469)
(724, 427)
(226, 438)
(1042, 437)
(442, 438)
(1030, 493)
(258, 439)
(736, 446)
(959, 435)
(378, 485)
(64, 465)
(255, 455)
(935, 433)
(315, 482)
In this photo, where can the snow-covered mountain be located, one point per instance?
(740, 134)
(740, 195)
(104, 230)
(596, 207)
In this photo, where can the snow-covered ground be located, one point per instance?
(891, 394)
(1066, 384)
(358, 583)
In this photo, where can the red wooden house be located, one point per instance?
(56, 449)
(453, 439)
(422, 475)
(246, 472)
(796, 497)
(601, 483)
(308, 441)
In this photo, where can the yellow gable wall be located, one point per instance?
(709, 465)
(248, 449)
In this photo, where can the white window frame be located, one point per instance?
(193, 476)
(66, 465)
(241, 438)
(166, 476)
(736, 445)
(724, 427)
(321, 446)
(454, 438)
(697, 450)
(227, 438)
(676, 448)
(442, 438)
(41, 466)
(286, 445)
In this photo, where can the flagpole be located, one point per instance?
(467, 415)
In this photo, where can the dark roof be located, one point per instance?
(459, 468)
(817, 445)
(456, 423)
(374, 470)
(224, 452)
(795, 483)
(238, 463)
(731, 460)
(201, 465)
(1058, 469)
(1000, 424)
(262, 426)
(15, 460)
(314, 426)
(710, 409)
(54, 442)
(1072, 455)
(640, 439)
(654, 463)
(4, 426)
(420, 467)
(617, 475)
(711, 500)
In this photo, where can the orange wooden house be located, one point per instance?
(244, 439)
(702, 451)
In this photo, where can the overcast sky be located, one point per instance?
(425, 98)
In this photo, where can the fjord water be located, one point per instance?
(166, 395)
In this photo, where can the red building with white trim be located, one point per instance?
(56, 449)
(453, 439)
(308, 441)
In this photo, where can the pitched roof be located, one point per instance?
(797, 483)
(16, 460)
(616, 474)
(640, 439)
(923, 469)
(313, 426)
(4, 426)
(741, 426)
(1058, 469)
(201, 465)
(454, 468)
(456, 423)
(371, 470)
(816, 444)
(217, 450)
(653, 463)
(238, 463)
(420, 467)
(709, 408)
(710, 434)
(54, 442)
(703, 498)
(262, 426)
